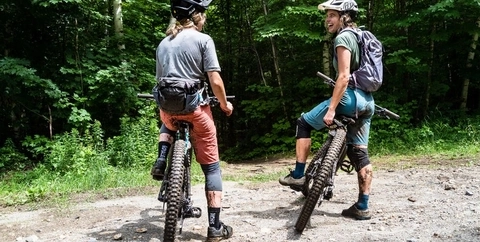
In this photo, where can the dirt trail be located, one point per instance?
(434, 204)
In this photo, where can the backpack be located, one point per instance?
(369, 76)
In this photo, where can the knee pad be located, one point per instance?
(164, 129)
(358, 157)
(213, 177)
(303, 129)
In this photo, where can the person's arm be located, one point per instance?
(341, 84)
(218, 89)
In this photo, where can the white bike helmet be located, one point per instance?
(339, 5)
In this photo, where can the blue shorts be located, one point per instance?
(354, 101)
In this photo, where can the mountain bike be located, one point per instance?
(175, 190)
(320, 173)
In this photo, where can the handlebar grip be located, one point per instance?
(140, 95)
(391, 114)
(324, 77)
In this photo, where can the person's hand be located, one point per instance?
(328, 118)
(228, 109)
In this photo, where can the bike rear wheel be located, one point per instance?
(320, 180)
(174, 191)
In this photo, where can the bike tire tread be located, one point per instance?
(321, 181)
(174, 192)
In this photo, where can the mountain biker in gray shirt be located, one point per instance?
(184, 59)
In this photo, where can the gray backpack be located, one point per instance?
(369, 76)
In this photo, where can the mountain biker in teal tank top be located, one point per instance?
(345, 100)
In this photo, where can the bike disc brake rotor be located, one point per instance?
(347, 166)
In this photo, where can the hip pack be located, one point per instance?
(178, 95)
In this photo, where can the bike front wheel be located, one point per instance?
(320, 180)
(312, 168)
(174, 191)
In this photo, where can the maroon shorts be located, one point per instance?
(203, 132)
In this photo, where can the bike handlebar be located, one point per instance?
(143, 95)
(211, 100)
(383, 112)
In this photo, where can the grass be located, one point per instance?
(85, 174)
(51, 190)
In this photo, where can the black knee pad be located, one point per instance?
(303, 129)
(358, 157)
(213, 177)
(164, 129)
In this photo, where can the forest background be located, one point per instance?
(70, 71)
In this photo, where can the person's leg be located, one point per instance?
(357, 152)
(358, 156)
(206, 150)
(165, 140)
(302, 150)
(305, 124)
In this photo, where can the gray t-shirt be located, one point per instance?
(189, 55)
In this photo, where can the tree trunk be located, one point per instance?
(277, 68)
(118, 23)
(428, 85)
(254, 49)
(471, 56)
(326, 58)
(370, 5)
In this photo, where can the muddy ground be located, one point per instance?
(412, 201)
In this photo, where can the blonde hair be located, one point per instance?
(179, 25)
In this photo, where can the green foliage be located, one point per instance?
(301, 22)
(429, 138)
(61, 69)
(71, 153)
(46, 3)
(138, 146)
(11, 158)
(18, 77)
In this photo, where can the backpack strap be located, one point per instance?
(356, 32)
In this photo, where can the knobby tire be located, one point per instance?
(174, 191)
(316, 160)
(321, 179)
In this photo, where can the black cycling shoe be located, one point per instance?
(158, 170)
(224, 232)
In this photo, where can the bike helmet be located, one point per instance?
(339, 5)
(185, 8)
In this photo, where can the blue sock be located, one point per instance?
(299, 170)
(362, 203)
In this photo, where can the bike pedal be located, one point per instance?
(296, 188)
(162, 198)
(329, 194)
(194, 212)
